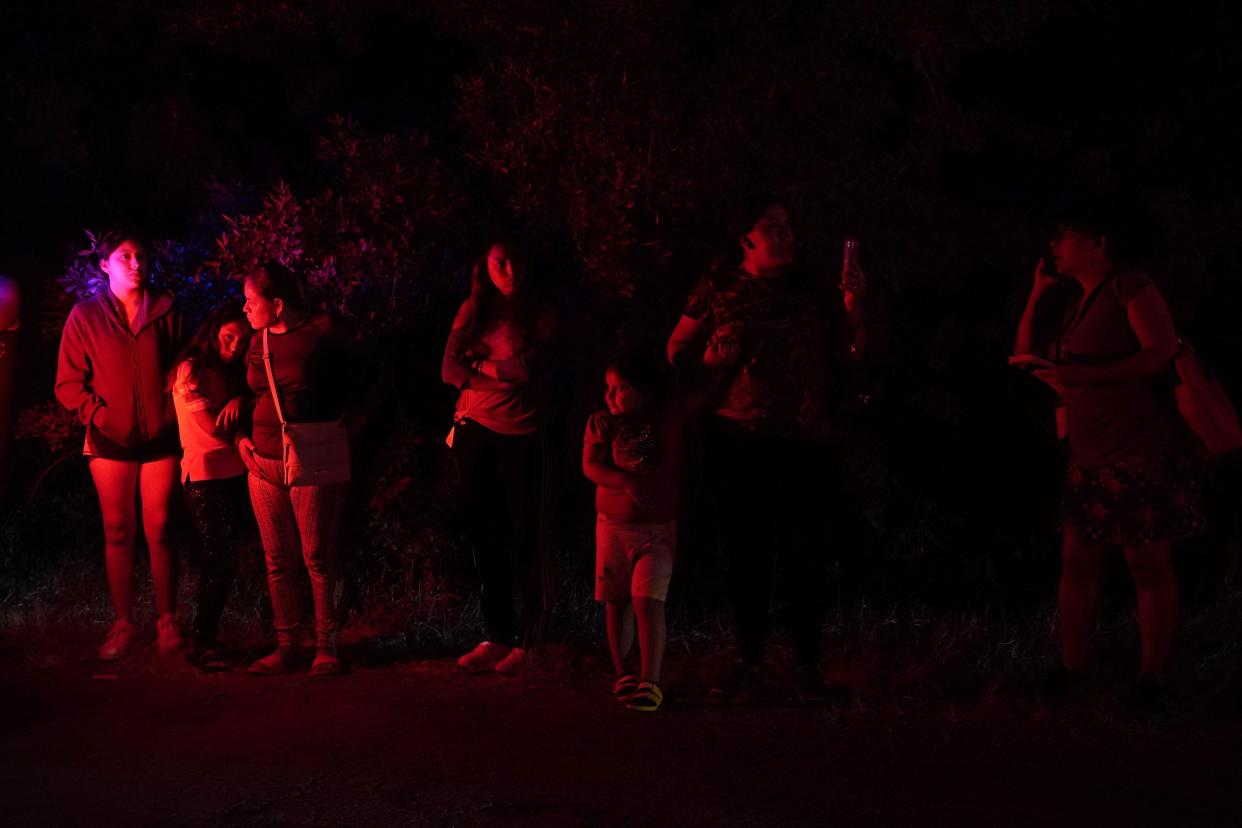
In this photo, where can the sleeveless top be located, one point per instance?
(1120, 420)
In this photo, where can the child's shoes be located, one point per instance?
(647, 698)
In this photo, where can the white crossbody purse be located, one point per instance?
(313, 453)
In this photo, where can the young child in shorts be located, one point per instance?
(632, 451)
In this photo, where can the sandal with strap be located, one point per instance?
(278, 663)
(210, 658)
(326, 663)
(647, 698)
(626, 684)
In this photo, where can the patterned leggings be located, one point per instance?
(218, 508)
(299, 525)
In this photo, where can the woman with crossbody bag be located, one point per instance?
(297, 455)
(1130, 483)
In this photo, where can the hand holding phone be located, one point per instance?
(853, 280)
(1045, 276)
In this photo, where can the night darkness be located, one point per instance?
(377, 149)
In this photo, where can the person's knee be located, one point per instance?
(1150, 568)
(280, 561)
(318, 565)
(1082, 564)
(155, 528)
(118, 530)
(1079, 571)
(646, 604)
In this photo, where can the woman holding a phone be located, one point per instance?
(770, 446)
(1130, 483)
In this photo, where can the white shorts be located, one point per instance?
(633, 559)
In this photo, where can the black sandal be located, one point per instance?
(209, 658)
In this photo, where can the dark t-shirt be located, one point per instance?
(650, 449)
(794, 341)
(313, 364)
(1119, 420)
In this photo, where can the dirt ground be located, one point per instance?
(415, 742)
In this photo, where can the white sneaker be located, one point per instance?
(168, 635)
(484, 657)
(120, 639)
(513, 663)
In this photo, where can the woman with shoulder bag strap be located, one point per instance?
(1130, 483)
(298, 485)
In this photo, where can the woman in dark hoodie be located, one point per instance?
(115, 351)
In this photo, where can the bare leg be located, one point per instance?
(1151, 565)
(652, 634)
(1082, 567)
(620, 632)
(158, 481)
(116, 482)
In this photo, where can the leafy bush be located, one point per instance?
(371, 245)
(613, 135)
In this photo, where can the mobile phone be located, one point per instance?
(849, 265)
(849, 255)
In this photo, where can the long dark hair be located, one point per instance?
(202, 351)
(108, 241)
(274, 281)
(485, 298)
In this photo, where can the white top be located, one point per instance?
(205, 456)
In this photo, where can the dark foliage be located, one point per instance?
(612, 136)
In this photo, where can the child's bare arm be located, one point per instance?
(598, 468)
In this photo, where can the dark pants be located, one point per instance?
(501, 481)
(775, 498)
(219, 509)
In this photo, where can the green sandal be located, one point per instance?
(647, 698)
(627, 684)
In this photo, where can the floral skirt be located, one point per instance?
(1143, 499)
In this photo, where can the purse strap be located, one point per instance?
(271, 378)
(1067, 333)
